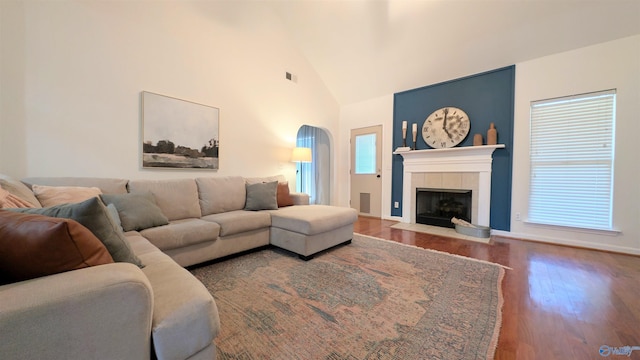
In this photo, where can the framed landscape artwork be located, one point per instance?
(178, 133)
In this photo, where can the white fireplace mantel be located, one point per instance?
(477, 159)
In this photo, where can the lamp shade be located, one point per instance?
(301, 154)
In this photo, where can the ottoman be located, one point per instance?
(309, 229)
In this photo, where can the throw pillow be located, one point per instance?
(262, 196)
(32, 246)
(93, 214)
(8, 200)
(284, 197)
(56, 195)
(137, 211)
(20, 190)
(113, 212)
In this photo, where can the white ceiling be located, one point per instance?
(365, 49)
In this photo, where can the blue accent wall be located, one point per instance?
(487, 98)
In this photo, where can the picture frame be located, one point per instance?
(179, 134)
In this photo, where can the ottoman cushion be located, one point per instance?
(312, 219)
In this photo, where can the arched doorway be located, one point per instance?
(315, 177)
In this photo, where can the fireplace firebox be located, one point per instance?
(437, 206)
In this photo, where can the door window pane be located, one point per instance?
(365, 154)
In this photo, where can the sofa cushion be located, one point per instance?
(299, 198)
(20, 190)
(35, 245)
(137, 211)
(185, 316)
(139, 244)
(56, 195)
(283, 195)
(106, 185)
(312, 219)
(177, 198)
(180, 233)
(93, 214)
(234, 222)
(265, 179)
(221, 194)
(262, 196)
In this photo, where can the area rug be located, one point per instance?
(371, 299)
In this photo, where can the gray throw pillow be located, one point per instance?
(262, 196)
(137, 211)
(93, 215)
(113, 212)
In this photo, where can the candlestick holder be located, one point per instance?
(404, 137)
(415, 136)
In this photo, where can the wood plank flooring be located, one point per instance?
(559, 302)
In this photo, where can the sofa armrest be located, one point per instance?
(101, 312)
(300, 198)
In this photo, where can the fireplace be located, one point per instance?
(438, 206)
(463, 167)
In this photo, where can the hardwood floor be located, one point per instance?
(559, 302)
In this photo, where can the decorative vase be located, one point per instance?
(477, 139)
(492, 135)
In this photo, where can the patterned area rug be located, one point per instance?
(372, 299)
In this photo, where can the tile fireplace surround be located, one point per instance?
(467, 168)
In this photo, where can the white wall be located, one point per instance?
(72, 72)
(377, 111)
(611, 65)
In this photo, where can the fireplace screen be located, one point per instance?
(437, 206)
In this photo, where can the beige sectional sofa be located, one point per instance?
(122, 311)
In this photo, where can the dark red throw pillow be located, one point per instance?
(283, 195)
(33, 245)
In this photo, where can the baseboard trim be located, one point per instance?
(394, 218)
(564, 242)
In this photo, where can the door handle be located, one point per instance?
(378, 176)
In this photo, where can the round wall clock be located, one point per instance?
(445, 128)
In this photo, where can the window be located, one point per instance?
(572, 149)
(315, 177)
(365, 154)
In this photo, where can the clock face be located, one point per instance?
(445, 128)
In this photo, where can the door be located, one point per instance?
(366, 163)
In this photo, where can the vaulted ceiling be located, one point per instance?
(366, 49)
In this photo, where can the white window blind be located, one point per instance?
(572, 149)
